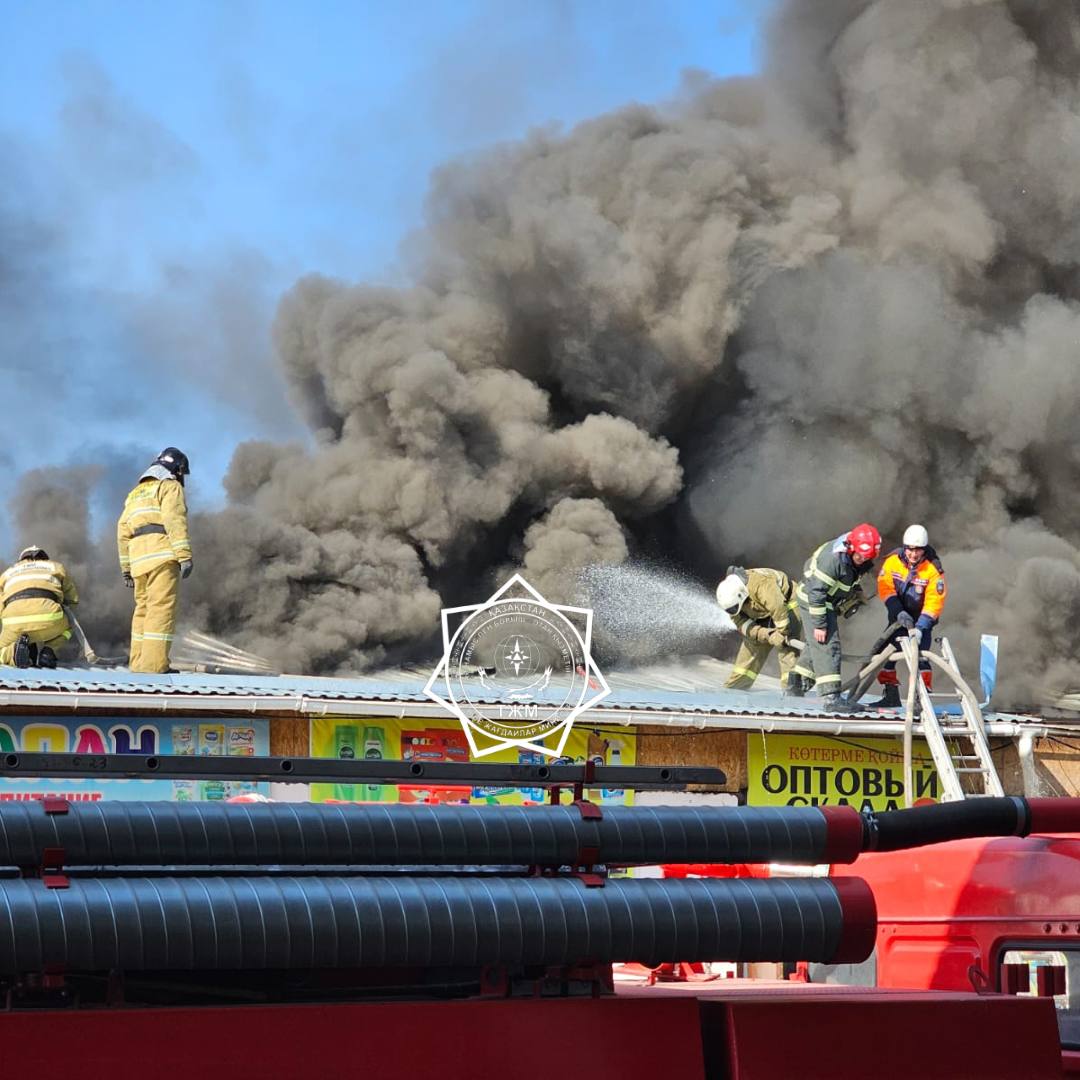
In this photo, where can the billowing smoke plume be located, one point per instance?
(722, 330)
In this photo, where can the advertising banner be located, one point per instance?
(131, 735)
(443, 740)
(811, 770)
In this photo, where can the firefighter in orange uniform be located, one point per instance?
(912, 586)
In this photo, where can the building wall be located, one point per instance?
(1056, 761)
(290, 736)
(690, 746)
(1057, 768)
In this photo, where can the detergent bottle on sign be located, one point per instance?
(346, 739)
(374, 750)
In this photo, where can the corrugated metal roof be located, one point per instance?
(689, 694)
(696, 687)
(122, 681)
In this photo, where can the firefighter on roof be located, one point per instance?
(155, 553)
(761, 603)
(830, 588)
(912, 586)
(33, 592)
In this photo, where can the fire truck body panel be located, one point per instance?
(952, 916)
(730, 1033)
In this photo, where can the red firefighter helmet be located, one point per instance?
(864, 540)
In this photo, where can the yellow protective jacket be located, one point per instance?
(32, 592)
(767, 607)
(153, 527)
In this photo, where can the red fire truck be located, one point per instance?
(295, 940)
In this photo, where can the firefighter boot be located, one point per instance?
(795, 686)
(889, 700)
(25, 652)
(46, 657)
(836, 703)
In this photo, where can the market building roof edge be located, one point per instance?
(689, 695)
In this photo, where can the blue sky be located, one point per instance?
(170, 169)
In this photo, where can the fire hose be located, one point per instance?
(161, 834)
(318, 922)
(129, 887)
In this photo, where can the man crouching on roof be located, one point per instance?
(761, 602)
(34, 591)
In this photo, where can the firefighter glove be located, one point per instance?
(924, 622)
(905, 620)
(129, 581)
(777, 637)
(185, 568)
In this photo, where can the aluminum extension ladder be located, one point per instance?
(959, 746)
(959, 750)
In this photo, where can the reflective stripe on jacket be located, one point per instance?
(918, 590)
(32, 592)
(153, 527)
(829, 578)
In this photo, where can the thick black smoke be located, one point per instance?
(724, 329)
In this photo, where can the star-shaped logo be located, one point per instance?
(517, 670)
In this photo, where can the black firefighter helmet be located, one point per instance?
(175, 461)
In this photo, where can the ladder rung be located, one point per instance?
(947, 735)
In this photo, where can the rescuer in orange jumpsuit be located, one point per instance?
(912, 586)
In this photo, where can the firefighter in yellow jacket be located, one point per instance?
(762, 604)
(152, 537)
(33, 592)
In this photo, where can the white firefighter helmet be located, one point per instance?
(916, 536)
(731, 593)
